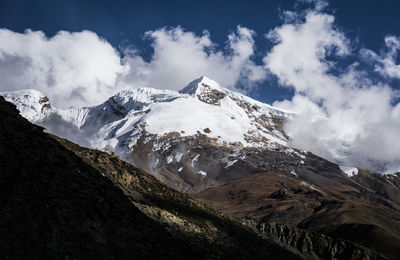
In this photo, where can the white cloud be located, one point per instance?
(181, 56)
(296, 58)
(71, 68)
(386, 61)
(81, 69)
(343, 117)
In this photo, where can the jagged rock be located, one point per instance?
(313, 245)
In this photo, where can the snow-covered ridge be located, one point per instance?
(349, 170)
(204, 84)
(32, 104)
(202, 107)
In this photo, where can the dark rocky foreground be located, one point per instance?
(61, 201)
(57, 205)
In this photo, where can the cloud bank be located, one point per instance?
(81, 69)
(181, 56)
(71, 68)
(344, 114)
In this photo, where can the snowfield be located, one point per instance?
(159, 112)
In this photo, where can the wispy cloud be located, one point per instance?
(344, 116)
(385, 62)
(81, 69)
(180, 56)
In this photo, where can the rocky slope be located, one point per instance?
(364, 209)
(306, 245)
(312, 245)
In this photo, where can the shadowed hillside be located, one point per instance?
(56, 205)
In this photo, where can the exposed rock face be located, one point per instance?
(204, 92)
(192, 164)
(313, 245)
(211, 96)
(45, 102)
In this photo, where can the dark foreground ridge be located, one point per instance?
(61, 201)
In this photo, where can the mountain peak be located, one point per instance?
(33, 104)
(198, 85)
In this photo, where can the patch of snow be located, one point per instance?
(236, 152)
(291, 152)
(180, 169)
(178, 157)
(195, 160)
(155, 164)
(203, 173)
(156, 146)
(170, 158)
(134, 136)
(166, 147)
(349, 171)
(230, 163)
(147, 139)
(293, 172)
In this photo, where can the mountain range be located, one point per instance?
(159, 131)
(221, 148)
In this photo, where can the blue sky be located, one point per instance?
(123, 22)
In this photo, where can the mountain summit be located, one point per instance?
(32, 104)
(166, 125)
(198, 85)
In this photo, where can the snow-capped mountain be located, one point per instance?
(190, 139)
(230, 152)
(32, 104)
(231, 118)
